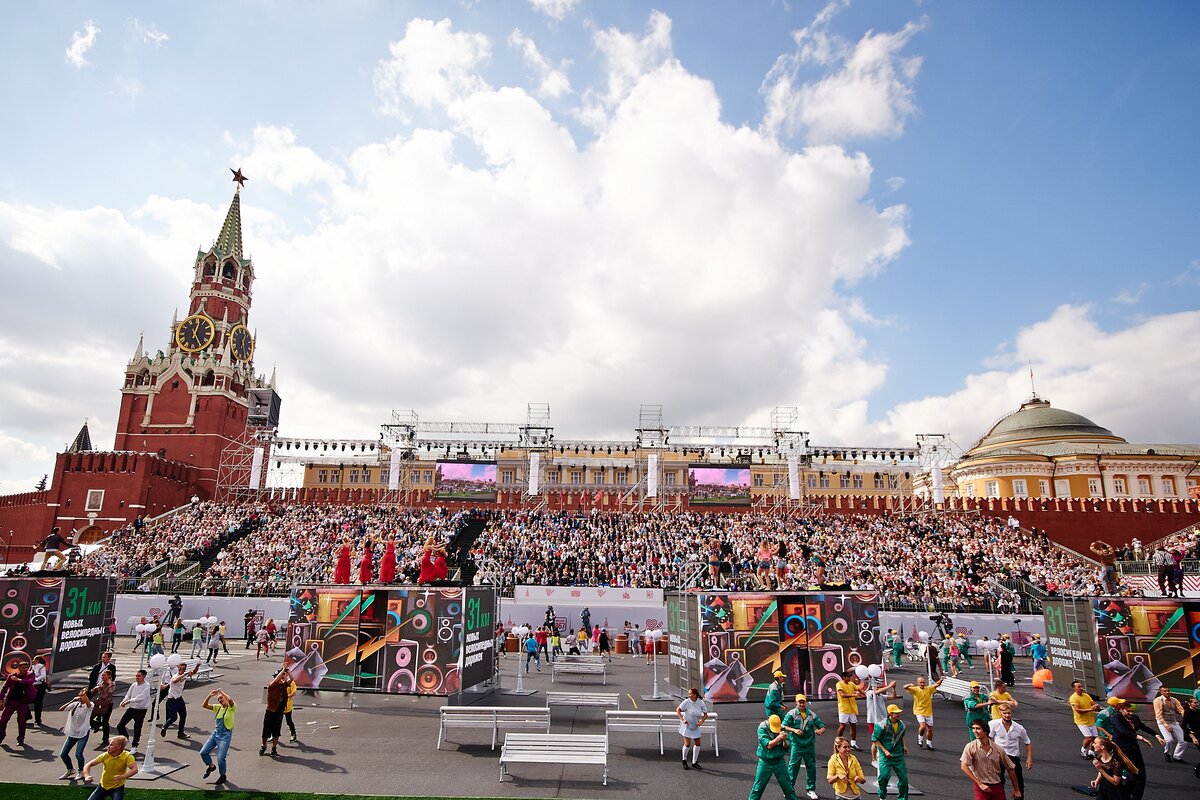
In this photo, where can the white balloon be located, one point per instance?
(875, 670)
(861, 672)
(174, 660)
(924, 636)
(157, 661)
(979, 643)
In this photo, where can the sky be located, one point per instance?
(886, 214)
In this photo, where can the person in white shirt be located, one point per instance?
(1009, 736)
(136, 704)
(41, 684)
(176, 707)
(77, 729)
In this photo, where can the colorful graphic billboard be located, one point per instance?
(59, 618)
(389, 640)
(473, 481)
(812, 637)
(1148, 643)
(709, 485)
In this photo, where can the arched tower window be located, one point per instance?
(229, 271)
(143, 378)
(209, 379)
(210, 269)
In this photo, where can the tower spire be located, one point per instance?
(229, 240)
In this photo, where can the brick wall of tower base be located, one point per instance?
(133, 484)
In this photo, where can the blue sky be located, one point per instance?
(879, 212)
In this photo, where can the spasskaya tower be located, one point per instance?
(190, 400)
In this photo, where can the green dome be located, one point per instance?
(1037, 420)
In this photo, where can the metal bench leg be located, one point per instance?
(606, 774)
(660, 741)
(441, 730)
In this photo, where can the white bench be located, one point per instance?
(580, 665)
(554, 748)
(954, 689)
(494, 717)
(656, 721)
(205, 673)
(590, 699)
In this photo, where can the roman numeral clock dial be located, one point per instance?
(241, 343)
(195, 333)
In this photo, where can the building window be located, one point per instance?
(844, 480)
(576, 478)
(335, 476)
(894, 481)
(552, 478)
(95, 501)
(758, 480)
(971, 490)
(428, 476)
(1043, 488)
(1168, 484)
(1094, 487)
(670, 479)
(353, 476)
(1144, 487)
(598, 477)
(622, 478)
(811, 480)
(824, 481)
(878, 481)
(1119, 486)
(1019, 488)
(506, 476)
(857, 480)
(992, 489)
(366, 476)
(322, 475)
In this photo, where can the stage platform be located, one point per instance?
(385, 744)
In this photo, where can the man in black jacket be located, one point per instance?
(105, 664)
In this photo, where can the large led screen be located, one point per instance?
(465, 480)
(718, 486)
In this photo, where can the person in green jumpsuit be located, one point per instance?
(897, 648)
(803, 728)
(1104, 720)
(978, 707)
(888, 738)
(773, 702)
(946, 656)
(964, 650)
(772, 759)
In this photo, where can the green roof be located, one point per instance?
(229, 242)
(1036, 419)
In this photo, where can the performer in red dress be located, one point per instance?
(387, 566)
(341, 572)
(433, 562)
(366, 573)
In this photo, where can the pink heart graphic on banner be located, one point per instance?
(549, 592)
(600, 592)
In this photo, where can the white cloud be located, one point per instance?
(895, 183)
(432, 66)
(555, 9)
(552, 81)
(1131, 297)
(1104, 375)
(1189, 277)
(275, 158)
(149, 34)
(627, 58)
(865, 89)
(81, 43)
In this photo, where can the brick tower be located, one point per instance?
(189, 401)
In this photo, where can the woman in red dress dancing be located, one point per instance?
(341, 571)
(387, 566)
(366, 573)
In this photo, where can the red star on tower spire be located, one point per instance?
(238, 177)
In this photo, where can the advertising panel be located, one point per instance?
(1148, 643)
(683, 642)
(479, 640)
(1071, 645)
(60, 618)
(472, 481)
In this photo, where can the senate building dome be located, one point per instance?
(1047, 452)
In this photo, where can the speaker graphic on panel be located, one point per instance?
(1146, 644)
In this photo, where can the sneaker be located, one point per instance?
(221, 780)
(812, 796)
(262, 751)
(209, 770)
(854, 746)
(182, 735)
(274, 752)
(696, 765)
(67, 776)
(929, 747)
(293, 739)
(685, 764)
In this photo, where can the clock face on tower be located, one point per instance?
(241, 343)
(195, 333)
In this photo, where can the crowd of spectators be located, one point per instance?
(960, 561)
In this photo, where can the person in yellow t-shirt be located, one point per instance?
(922, 694)
(1084, 709)
(844, 773)
(848, 691)
(1000, 696)
(118, 766)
